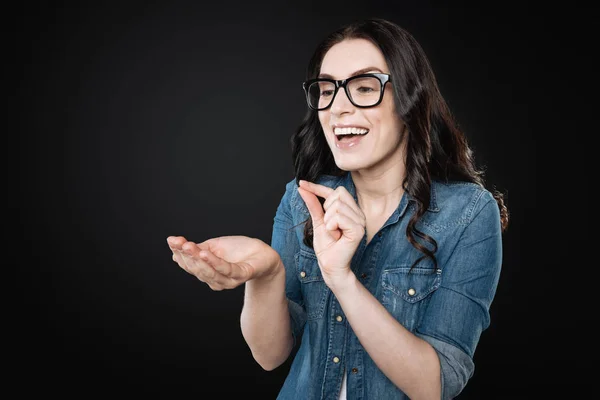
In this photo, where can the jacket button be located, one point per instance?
(411, 292)
(338, 318)
(303, 274)
(336, 360)
(354, 370)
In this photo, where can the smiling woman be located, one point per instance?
(386, 248)
(364, 107)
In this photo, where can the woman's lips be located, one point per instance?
(350, 143)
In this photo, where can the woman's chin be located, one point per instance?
(349, 166)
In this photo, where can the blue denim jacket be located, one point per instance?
(448, 306)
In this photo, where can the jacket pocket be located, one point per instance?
(406, 293)
(314, 289)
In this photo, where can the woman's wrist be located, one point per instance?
(340, 281)
(274, 273)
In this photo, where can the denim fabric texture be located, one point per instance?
(447, 306)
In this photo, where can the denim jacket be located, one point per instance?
(447, 306)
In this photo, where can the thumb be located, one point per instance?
(314, 206)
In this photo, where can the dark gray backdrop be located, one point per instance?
(144, 120)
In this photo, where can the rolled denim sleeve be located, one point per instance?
(284, 240)
(458, 311)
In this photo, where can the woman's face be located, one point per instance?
(381, 145)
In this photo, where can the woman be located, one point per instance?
(386, 247)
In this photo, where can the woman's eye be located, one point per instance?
(365, 89)
(326, 93)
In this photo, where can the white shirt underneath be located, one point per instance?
(343, 391)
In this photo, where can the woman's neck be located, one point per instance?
(379, 191)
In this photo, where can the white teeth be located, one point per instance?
(348, 131)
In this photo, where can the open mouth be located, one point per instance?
(347, 134)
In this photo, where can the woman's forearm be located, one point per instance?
(407, 360)
(265, 320)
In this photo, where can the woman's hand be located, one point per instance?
(226, 262)
(338, 228)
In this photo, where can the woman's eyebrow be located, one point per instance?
(360, 71)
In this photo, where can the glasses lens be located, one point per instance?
(365, 91)
(320, 94)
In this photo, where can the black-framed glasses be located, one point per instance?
(365, 90)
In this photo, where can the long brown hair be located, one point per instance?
(436, 146)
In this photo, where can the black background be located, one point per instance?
(142, 120)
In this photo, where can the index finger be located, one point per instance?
(319, 190)
(314, 206)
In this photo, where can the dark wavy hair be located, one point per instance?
(436, 147)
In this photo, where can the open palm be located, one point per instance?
(225, 262)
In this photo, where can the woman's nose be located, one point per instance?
(341, 103)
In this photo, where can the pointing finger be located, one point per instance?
(314, 206)
(319, 190)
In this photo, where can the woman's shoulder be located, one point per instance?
(465, 198)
